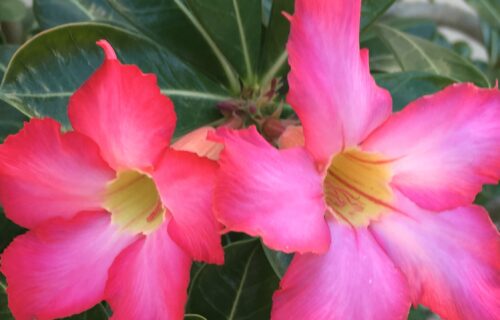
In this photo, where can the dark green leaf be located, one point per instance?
(420, 313)
(174, 26)
(416, 54)
(6, 53)
(51, 13)
(4, 308)
(8, 231)
(194, 317)
(274, 56)
(235, 27)
(240, 289)
(408, 86)
(12, 10)
(52, 65)
(278, 260)
(99, 312)
(371, 10)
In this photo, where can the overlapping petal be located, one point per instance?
(149, 280)
(451, 259)
(331, 88)
(186, 183)
(444, 147)
(61, 267)
(354, 280)
(270, 193)
(124, 112)
(46, 174)
(197, 142)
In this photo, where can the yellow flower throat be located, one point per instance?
(356, 186)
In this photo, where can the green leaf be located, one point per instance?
(273, 61)
(489, 10)
(6, 53)
(278, 260)
(12, 10)
(4, 307)
(51, 13)
(8, 231)
(191, 316)
(420, 313)
(240, 289)
(99, 312)
(235, 27)
(174, 26)
(408, 86)
(371, 10)
(52, 65)
(416, 54)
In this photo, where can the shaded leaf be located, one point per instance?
(51, 13)
(240, 289)
(4, 307)
(416, 54)
(408, 86)
(235, 27)
(52, 65)
(278, 260)
(371, 10)
(194, 317)
(12, 10)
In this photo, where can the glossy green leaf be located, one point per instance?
(12, 10)
(278, 260)
(408, 86)
(274, 56)
(416, 54)
(51, 13)
(371, 10)
(52, 65)
(235, 27)
(173, 25)
(240, 289)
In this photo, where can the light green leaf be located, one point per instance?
(489, 10)
(12, 10)
(416, 54)
(278, 260)
(235, 27)
(51, 13)
(408, 86)
(52, 65)
(240, 289)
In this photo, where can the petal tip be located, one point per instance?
(109, 52)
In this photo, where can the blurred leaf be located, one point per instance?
(488, 9)
(274, 57)
(6, 53)
(278, 260)
(51, 13)
(99, 312)
(12, 10)
(371, 10)
(240, 289)
(420, 313)
(4, 308)
(416, 54)
(408, 86)
(52, 65)
(235, 27)
(8, 231)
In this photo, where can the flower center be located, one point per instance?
(357, 187)
(134, 202)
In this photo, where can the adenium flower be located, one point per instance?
(377, 206)
(114, 213)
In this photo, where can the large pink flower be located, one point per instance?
(114, 213)
(378, 206)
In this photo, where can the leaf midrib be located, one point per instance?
(242, 283)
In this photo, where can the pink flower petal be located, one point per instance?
(46, 174)
(149, 280)
(186, 183)
(123, 111)
(331, 88)
(61, 267)
(451, 259)
(354, 280)
(445, 146)
(196, 141)
(274, 194)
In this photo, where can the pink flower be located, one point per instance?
(114, 213)
(378, 206)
